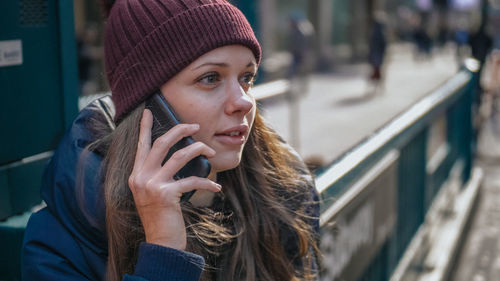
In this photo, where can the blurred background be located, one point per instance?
(336, 31)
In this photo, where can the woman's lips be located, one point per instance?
(232, 136)
(231, 140)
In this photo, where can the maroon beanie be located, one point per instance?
(147, 42)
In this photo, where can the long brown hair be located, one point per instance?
(257, 229)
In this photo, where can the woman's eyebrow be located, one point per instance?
(222, 64)
(252, 63)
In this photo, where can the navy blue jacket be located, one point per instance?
(66, 240)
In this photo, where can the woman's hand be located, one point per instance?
(156, 193)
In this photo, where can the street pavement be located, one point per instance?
(337, 112)
(479, 258)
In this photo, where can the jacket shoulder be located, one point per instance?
(49, 252)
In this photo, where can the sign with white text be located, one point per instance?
(11, 53)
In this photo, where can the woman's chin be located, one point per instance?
(220, 164)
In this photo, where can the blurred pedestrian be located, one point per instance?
(300, 47)
(114, 203)
(423, 41)
(299, 44)
(461, 38)
(490, 104)
(494, 81)
(442, 35)
(495, 58)
(376, 56)
(480, 43)
(403, 27)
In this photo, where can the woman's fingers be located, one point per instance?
(192, 183)
(144, 144)
(158, 205)
(163, 144)
(181, 157)
(158, 194)
(147, 171)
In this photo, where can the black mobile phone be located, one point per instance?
(163, 120)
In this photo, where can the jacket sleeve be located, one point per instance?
(157, 263)
(51, 253)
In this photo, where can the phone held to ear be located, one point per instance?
(163, 120)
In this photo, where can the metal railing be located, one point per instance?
(375, 197)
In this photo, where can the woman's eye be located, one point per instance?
(209, 78)
(248, 79)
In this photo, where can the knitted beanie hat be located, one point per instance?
(147, 42)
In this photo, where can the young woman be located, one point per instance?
(114, 212)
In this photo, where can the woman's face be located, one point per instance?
(213, 92)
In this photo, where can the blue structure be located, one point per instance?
(39, 81)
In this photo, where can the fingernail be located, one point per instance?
(196, 126)
(218, 186)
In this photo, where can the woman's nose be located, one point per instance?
(238, 100)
